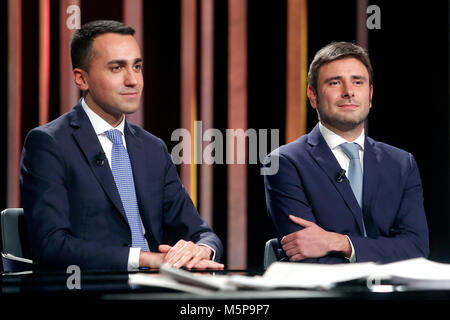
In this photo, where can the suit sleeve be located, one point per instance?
(285, 195)
(408, 237)
(46, 206)
(181, 218)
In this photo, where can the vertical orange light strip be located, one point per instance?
(361, 28)
(133, 16)
(188, 90)
(296, 69)
(69, 93)
(193, 166)
(237, 119)
(207, 108)
(362, 34)
(44, 60)
(14, 101)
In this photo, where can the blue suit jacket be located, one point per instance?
(73, 209)
(306, 186)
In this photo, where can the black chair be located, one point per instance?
(16, 249)
(271, 252)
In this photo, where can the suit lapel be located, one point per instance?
(140, 164)
(87, 140)
(325, 158)
(370, 184)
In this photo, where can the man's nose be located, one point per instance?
(347, 91)
(130, 78)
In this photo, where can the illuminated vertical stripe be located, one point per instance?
(296, 69)
(361, 29)
(362, 35)
(132, 16)
(14, 101)
(207, 108)
(237, 119)
(188, 89)
(69, 93)
(44, 61)
(194, 145)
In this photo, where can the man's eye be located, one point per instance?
(359, 82)
(333, 83)
(138, 67)
(115, 68)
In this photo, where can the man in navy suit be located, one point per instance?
(73, 209)
(319, 213)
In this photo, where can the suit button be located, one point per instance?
(127, 245)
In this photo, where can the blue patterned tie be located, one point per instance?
(355, 173)
(123, 176)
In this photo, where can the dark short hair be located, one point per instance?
(335, 51)
(81, 45)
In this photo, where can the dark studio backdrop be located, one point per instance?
(410, 57)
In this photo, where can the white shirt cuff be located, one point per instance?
(353, 255)
(213, 258)
(133, 259)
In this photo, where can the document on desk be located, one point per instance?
(161, 281)
(414, 269)
(182, 280)
(417, 273)
(305, 275)
(279, 275)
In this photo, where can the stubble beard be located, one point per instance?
(342, 123)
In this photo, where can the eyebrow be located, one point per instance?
(358, 77)
(124, 62)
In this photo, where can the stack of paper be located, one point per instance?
(305, 275)
(302, 276)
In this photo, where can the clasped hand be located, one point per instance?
(183, 254)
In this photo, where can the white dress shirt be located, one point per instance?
(100, 126)
(334, 141)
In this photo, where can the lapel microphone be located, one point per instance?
(340, 176)
(100, 159)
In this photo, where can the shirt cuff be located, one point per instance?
(353, 255)
(213, 256)
(133, 259)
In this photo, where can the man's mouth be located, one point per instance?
(130, 94)
(348, 106)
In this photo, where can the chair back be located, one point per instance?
(271, 252)
(16, 249)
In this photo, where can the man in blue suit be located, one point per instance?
(100, 192)
(330, 204)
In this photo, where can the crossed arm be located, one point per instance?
(313, 242)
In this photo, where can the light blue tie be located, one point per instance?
(355, 173)
(123, 176)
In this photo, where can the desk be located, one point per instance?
(111, 290)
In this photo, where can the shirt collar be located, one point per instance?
(100, 125)
(333, 140)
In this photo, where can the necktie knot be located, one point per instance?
(115, 136)
(351, 150)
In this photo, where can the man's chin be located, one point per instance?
(346, 124)
(130, 109)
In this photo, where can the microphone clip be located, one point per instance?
(100, 159)
(340, 176)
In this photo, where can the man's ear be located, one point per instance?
(312, 95)
(80, 79)
(371, 95)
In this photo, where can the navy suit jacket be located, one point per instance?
(72, 206)
(306, 186)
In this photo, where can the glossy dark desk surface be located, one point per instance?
(112, 289)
